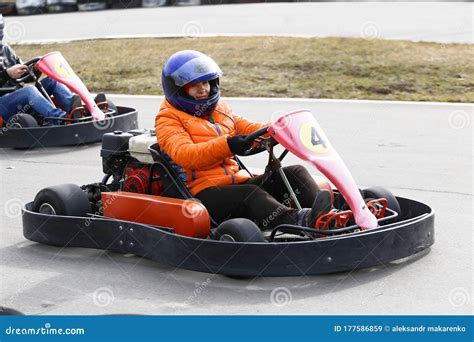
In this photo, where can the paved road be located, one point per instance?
(421, 151)
(439, 22)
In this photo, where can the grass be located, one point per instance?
(347, 68)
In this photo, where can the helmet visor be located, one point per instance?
(196, 70)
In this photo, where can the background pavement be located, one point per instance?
(418, 21)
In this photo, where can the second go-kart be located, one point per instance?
(143, 207)
(85, 124)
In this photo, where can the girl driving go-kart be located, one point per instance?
(200, 135)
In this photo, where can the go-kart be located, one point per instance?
(85, 124)
(142, 207)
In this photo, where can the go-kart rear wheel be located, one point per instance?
(392, 202)
(64, 199)
(239, 230)
(22, 120)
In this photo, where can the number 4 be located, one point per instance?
(316, 139)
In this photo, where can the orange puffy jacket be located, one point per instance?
(198, 146)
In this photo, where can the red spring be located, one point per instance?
(339, 219)
(103, 106)
(76, 113)
(378, 207)
(333, 220)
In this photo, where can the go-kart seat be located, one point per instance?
(172, 183)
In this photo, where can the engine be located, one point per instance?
(114, 153)
(126, 158)
(137, 179)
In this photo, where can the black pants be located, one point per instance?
(267, 204)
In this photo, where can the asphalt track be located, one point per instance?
(421, 151)
(426, 21)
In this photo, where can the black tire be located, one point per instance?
(9, 312)
(238, 230)
(343, 205)
(113, 107)
(22, 121)
(64, 200)
(392, 202)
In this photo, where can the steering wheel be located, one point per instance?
(261, 143)
(32, 73)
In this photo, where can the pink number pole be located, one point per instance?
(300, 133)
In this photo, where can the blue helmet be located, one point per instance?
(189, 66)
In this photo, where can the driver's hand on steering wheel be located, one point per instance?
(239, 144)
(17, 71)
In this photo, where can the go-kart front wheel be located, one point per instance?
(64, 199)
(238, 230)
(105, 104)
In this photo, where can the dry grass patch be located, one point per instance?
(282, 67)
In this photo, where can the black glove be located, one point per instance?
(239, 144)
